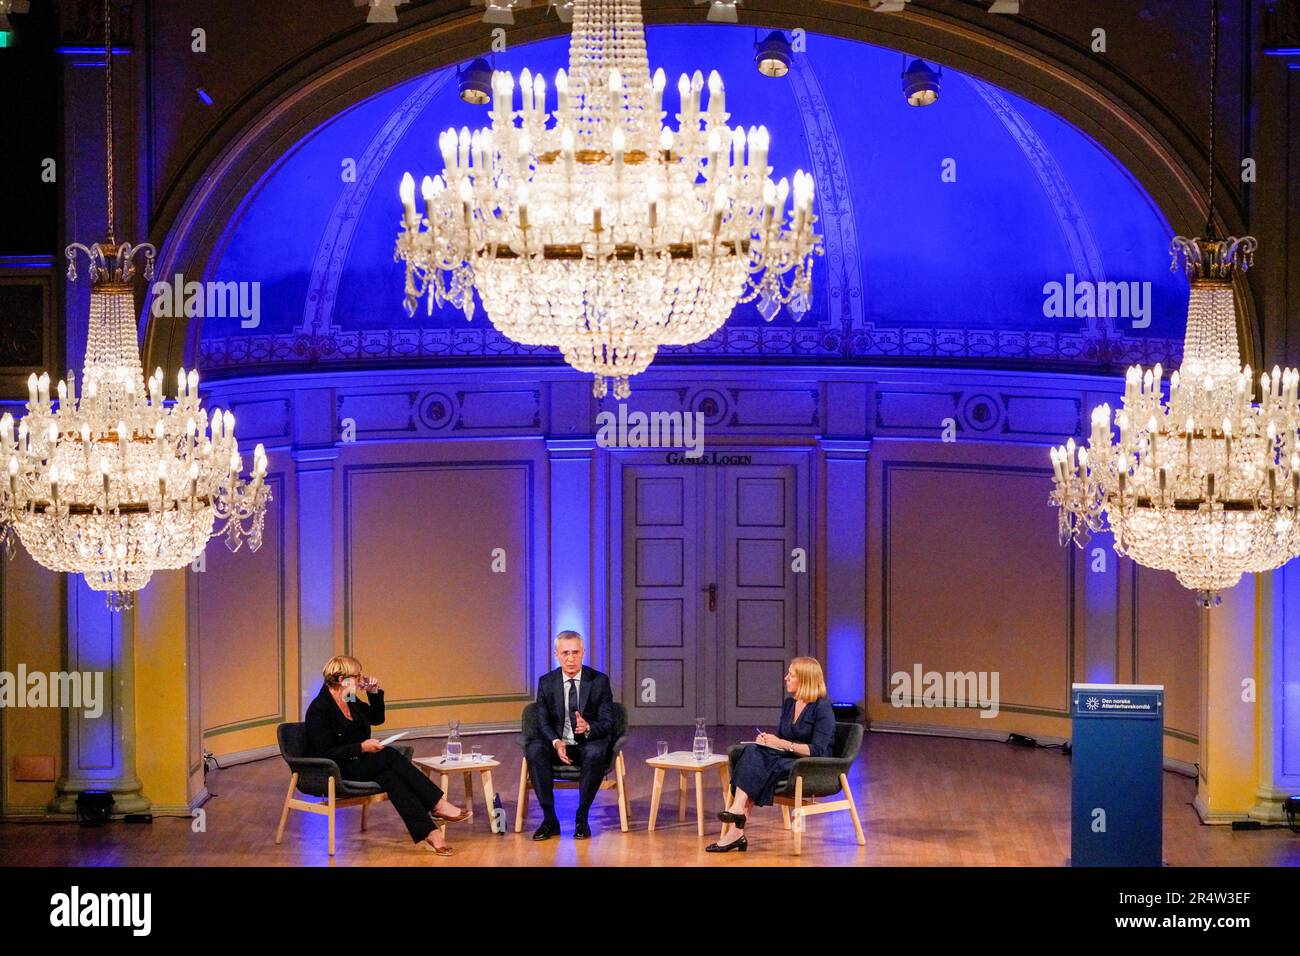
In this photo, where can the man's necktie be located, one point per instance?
(571, 704)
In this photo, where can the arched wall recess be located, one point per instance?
(197, 207)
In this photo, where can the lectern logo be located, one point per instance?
(1092, 703)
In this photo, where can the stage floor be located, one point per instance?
(924, 801)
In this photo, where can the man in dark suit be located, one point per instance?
(575, 718)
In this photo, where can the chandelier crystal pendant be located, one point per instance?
(594, 228)
(115, 483)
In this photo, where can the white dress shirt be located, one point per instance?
(571, 698)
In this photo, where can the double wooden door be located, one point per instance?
(715, 595)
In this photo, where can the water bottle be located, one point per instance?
(700, 746)
(454, 748)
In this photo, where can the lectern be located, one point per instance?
(1118, 762)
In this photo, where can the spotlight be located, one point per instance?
(721, 11)
(476, 82)
(381, 11)
(500, 11)
(774, 54)
(563, 10)
(921, 84)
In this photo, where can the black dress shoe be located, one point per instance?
(581, 831)
(548, 829)
(726, 816)
(742, 845)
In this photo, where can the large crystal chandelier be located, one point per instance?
(115, 482)
(1207, 483)
(595, 228)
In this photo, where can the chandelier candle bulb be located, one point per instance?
(525, 91)
(561, 91)
(462, 149)
(657, 95)
(717, 96)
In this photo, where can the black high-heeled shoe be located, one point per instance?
(742, 845)
(738, 819)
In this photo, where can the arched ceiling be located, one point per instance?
(918, 267)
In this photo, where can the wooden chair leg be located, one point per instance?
(800, 821)
(622, 792)
(365, 810)
(521, 807)
(284, 814)
(785, 816)
(853, 810)
(331, 814)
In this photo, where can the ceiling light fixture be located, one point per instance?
(1207, 483)
(596, 229)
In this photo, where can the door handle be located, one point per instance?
(712, 591)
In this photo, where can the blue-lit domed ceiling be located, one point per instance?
(916, 268)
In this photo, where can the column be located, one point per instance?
(1229, 719)
(315, 454)
(1100, 565)
(99, 752)
(570, 462)
(1279, 695)
(315, 473)
(845, 568)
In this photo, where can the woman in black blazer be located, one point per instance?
(338, 727)
(807, 729)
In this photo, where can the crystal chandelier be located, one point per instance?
(605, 233)
(1207, 483)
(115, 483)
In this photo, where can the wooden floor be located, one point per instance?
(924, 801)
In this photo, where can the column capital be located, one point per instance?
(321, 457)
(845, 449)
(570, 448)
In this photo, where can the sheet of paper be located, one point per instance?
(388, 740)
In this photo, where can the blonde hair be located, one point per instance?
(812, 683)
(337, 668)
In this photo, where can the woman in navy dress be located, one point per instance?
(807, 729)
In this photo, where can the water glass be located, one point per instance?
(476, 752)
(661, 748)
(700, 747)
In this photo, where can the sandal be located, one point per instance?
(439, 850)
(464, 815)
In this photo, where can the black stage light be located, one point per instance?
(1291, 807)
(921, 84)
(93, 807)
(774, 54)
(845, 713)
(476, 82)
